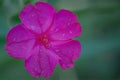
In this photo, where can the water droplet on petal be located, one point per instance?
(68, 23)
(57, 50)
(70, 19)
(70, 32)
(14, 39)
(25, 48)
(23, 19)
(32, 15)
(56, 30)
(36, 69)
(63, 35)
(40, 50)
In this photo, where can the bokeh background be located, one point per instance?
(100, 57)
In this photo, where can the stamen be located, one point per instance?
(44, 40)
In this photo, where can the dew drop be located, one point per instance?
(23, 19)
(25, 48)
(14, 39)
(63, 35)
(70, 19)
(36, 69)
(32, 15)
(70, 32)
(56, 30)
(68, 23)
(40, 50)
(57, 50)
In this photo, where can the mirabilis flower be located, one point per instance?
(44, 38)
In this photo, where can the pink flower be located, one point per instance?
(44, 38)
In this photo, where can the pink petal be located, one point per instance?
(20, 50)
(65, 62)
(42, 62)
(29, 18)
(63, 19)
(65, 26)
(37, 18)
(70, 32)
(18, 33)
(68, 52)
(48, 62)
(45, 13)
(32, 64)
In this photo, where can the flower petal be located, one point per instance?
(48, 62)
(65, 26)
(18, 34)
(70, 32)
(45, 13)
(68, 52)
(37, 18)
(29, 18)
(32, 64)
(42, 62)
(63, 19)
(20, 50)
(65, 62)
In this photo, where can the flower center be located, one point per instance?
(44, 40)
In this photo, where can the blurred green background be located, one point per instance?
(100, 57)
